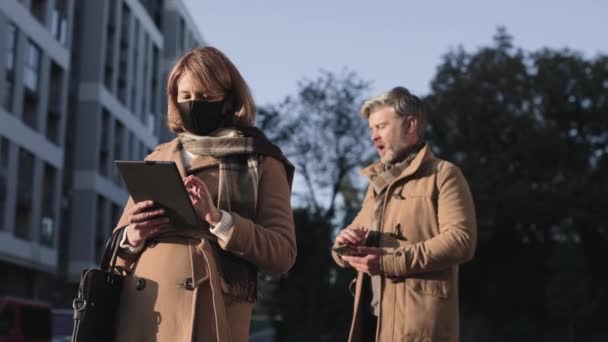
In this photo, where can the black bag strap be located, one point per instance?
(110, 254)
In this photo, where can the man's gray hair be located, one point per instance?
(403, 102)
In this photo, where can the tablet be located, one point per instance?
(160, 182)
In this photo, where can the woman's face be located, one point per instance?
(190, 88)
(201, 109)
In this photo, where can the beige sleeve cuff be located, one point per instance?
(393, 264)
(224, 228)
(124, 243)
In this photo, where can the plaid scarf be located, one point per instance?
(240, 152)
(380, 182)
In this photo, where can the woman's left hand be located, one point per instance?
(201, 200)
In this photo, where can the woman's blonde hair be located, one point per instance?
(216, 73)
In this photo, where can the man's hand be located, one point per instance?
(368, 262)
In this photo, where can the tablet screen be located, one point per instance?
(160, 182)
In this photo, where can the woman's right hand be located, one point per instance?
(144, 222)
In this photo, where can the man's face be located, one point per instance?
(391, 134)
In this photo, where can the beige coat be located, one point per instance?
(154, 307)
(429, 228)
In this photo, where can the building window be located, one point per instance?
(9, 83)
(4, 150)
(102, 229)
(32, 66)
(116, 213)
(130, 146)
(48, 221)
(104, 143)
(182, 35)
(154, 91)
(158, 121)
(154, 9)
(123, 59)
(136, 66)
(108, 73)
(59, 24)
(119, 139)
(25, 190)
(37, 8)
(146, 83)
(108, 77)
(30, 80)
(53, 122)
(11, 42)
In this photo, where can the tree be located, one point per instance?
(530, 132)
(322, 134)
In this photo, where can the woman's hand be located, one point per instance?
(144, 222)
(201, 200)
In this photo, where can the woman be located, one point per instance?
(200, 284)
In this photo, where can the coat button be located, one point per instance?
(188, 284)
(140, 285)
(399, 232)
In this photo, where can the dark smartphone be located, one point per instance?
(346, 250)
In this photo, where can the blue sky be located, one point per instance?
(276, 43)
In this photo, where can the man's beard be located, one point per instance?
(388, 157)
(395, 154)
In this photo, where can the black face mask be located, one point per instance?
(201, 117)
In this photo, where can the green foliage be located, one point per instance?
(307, 298)
(530, 132)
(321, 133)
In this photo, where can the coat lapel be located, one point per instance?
(173, 152)
(423, 155)
(201, 162)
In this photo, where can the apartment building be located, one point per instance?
(35, 36)
(84, 85)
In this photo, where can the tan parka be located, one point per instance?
(158, 305)
(428, 229)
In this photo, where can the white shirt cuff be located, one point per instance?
(124, 243)
(223, 229)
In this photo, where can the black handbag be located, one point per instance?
(96, 307)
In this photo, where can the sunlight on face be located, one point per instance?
(391, 134)
(190, 88)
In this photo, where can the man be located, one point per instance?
(416, 225)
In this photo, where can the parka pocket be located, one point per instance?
(432, 287)
(428, 308)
